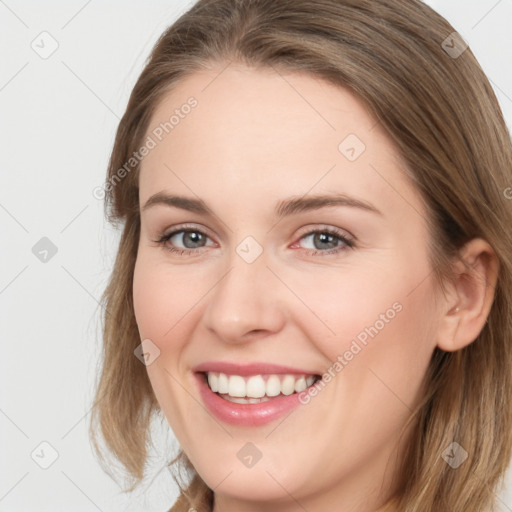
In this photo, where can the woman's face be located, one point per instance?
(256, 267)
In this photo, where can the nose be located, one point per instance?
(247, 303)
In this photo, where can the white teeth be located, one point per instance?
(300, 385)
(256, 389)
(288, 385)
(237, 386)
(223, 383)
(213, 382)
(273, 387)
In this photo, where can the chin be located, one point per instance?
(250, 487)
(264, 481)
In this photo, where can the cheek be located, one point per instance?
(347, 304)
(163, 305)
(373, 320)
(149, 302)
(163, 301)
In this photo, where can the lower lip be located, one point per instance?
(246, 415)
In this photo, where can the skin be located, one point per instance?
(255, 138)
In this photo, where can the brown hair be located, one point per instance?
(441, 113)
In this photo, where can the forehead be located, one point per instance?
(255, 133)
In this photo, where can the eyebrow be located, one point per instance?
(284, 208)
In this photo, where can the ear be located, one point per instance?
(470, 297)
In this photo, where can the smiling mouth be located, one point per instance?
(255, 389)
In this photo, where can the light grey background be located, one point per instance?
(58, 117)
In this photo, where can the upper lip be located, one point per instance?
(249, 369)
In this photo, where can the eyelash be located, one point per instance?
(346, 242)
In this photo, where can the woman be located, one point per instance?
(315, 261)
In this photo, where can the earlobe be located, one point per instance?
(470, 299)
